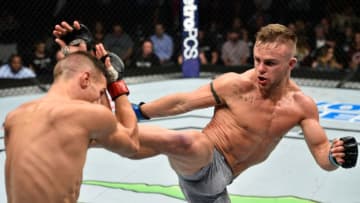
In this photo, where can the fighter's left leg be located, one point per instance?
(188, 151)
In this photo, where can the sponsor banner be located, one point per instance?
(339, 111)
(190, 43)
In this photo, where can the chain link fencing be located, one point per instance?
(324, 28)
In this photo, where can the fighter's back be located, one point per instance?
(45, 151)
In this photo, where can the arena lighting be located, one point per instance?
(190, 52)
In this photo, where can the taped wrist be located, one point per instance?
(333, 160)
(112, 75)
(117, 88)
(116, 70)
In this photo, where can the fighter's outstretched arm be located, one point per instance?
(179, 103)
(341, 152)
(205, 96)
(318, 143)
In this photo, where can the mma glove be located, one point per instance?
(116, 85)
(139, 114)
(351, 153)
(77, 36)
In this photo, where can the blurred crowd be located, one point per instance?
(328, 39)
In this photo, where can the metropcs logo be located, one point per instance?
(339, 111)
(190, 42)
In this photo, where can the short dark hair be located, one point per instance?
(14, 55)
(98, 64)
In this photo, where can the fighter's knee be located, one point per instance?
(183, 142)
(193, 142)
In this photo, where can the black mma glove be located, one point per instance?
(76, 36)
(116, 85)
(351, 153)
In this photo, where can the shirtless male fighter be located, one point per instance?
(208, 161)
(46, 140)
(252, 112)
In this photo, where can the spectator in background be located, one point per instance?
(258, 19)
(215, 33)
(339, 54)
(325, 59)
(15, 69)
(163, 44)
(237, 24)
(347, 39)
(319, 38)
(303, 51)
(119, 42)
(9, 32)
(325, 23)
(146, 58)
(249, 41)
(354, 52)
(41, 62)
(344, 17)
(98, 32)
(355, 61)
(208, 53)
(234, 51)
(301, 27)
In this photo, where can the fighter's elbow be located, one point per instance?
(129, 146)
(131, 150)
(327, 166)
(134, 150)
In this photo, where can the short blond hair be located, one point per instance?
(276, 33)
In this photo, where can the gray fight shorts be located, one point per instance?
(209, 184)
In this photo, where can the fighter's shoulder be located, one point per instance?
(232, 79)
(305, 102)
(85, 107)
(9, 118)
(18, 112)
(78, 110)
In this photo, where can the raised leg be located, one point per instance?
(188, 151)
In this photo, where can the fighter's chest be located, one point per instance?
(266, 117)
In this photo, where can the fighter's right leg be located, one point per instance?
(188, 151)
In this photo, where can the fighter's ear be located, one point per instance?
(84, 80)
(292, 63)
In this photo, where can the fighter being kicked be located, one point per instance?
(47, 139)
